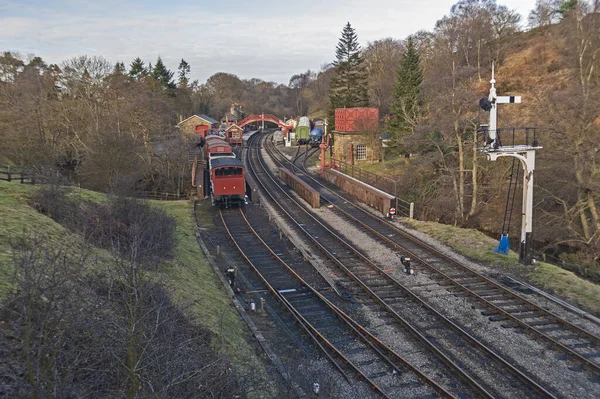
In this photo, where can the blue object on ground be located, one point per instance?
(503, 246)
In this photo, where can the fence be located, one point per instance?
(12, 173)
(157, 195)
(383, 183)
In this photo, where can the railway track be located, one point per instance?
(496, 301)
(351, 348)
(470, 360)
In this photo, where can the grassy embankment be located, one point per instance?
(478, 246)
(188, 276)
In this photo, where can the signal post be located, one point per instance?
(521, 148)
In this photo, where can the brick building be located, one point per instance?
(356, 135)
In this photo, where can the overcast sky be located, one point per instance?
(269, 40)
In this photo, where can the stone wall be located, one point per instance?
(342, 142)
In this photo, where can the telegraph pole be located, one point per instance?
(523, 150)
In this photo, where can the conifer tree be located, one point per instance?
(119, 69)
(349, 84)
(137, 69)
(406, 106)
(184, 70)
(161, 74)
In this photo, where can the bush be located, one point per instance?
(52, 201)
(126, 224)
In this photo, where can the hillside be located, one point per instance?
(190, 280)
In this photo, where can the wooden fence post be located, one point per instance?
(412, 210)
(9, 173)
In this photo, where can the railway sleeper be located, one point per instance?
(356, 350)
(567, 337)
(365, 362)
(342, 342)
(542, 323)
(307, 307)
(379, 374)
(291, 296)
(314, 320)
(492, 298)
(507, 302)
(468, 280)
(586, 345)
(319, 312)
(519, 311)
(535, 315)
(591, 355)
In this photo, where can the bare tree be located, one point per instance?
(544, 13)
(382, 58)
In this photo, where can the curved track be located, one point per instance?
(500, 303)
(349, 346)
(432, 330)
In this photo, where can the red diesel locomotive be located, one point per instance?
(227, 179)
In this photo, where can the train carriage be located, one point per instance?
(226, 172)
(217, 147)
(228, 184)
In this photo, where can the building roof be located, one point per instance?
(202, 116)
(220, 162)
(208, 119)
(234, 125)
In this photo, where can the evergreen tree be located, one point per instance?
(119, 69)
(406, 106)
(349, 83)
(137, 69)
(161, 74)
(184, 70)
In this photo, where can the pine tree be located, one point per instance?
(161, 74)
(119, 69)
(349, 84)
(184, 70)
(137, 69)
(406, 107)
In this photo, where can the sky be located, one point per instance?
(270, 40)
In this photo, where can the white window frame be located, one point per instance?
(361, 152)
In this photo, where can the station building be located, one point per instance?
(356, 137)
(197, 125)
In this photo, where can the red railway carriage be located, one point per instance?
(228, 184)
(215, 146)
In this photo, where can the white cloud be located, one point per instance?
(270, 44)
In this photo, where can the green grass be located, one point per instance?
(193, 281)
(189, 276)
(18, 218)
(478, 246)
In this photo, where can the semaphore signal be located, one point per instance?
(522, 147)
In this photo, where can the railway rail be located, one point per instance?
(439, 335)
(350, 347)
(498, 302)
